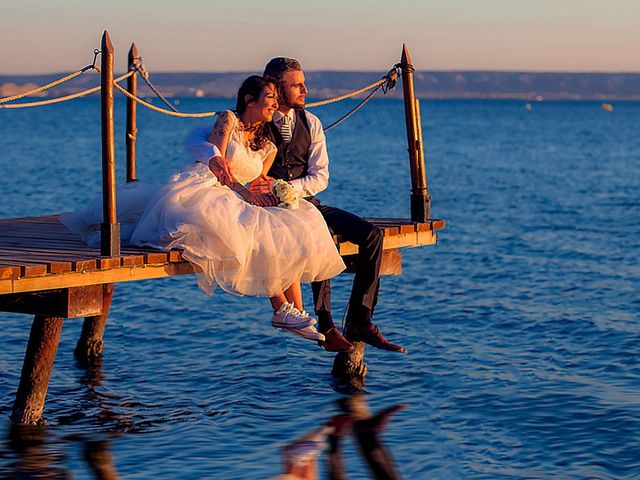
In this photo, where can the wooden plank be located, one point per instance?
(33, 270)
(108, 262)
(28, 269)
(74, 279)
(132, 260)
(437, 224)
(23, 253)
(39, 219)
(389, 231)
(175, 256)
(103, 262)
(409, 228)
(156, 258)
(84, 266)
(8, 271)
(66, 303)
(414, 239)
(53, 264)
(56, 263)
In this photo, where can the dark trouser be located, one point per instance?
(364, 293)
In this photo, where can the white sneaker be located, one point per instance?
(310, 333)
(291, 318)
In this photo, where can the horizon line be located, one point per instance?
(250, 72)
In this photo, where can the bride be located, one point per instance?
(235, 239)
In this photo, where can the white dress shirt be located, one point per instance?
(317, 177)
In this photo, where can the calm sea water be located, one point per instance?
(522, 323)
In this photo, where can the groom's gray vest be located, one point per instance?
(292, 159)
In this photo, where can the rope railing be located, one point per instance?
(47, 86)
(353, 110)
(67, 97)
(162, 110)
(346, 95)
(145, 76)
(385, 83)
(52, 100)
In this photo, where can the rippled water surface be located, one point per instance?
(522, 323)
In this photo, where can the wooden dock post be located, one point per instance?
(36, 370)
(109, 229)
(420, 199)
(90, 344)
(132, 128)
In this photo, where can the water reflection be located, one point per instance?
(35, 455)
(301, 456)
(33, 458)
(87, 432)
(35, 451)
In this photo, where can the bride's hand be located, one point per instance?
(260, 199)
(262, 184)
(220, 168)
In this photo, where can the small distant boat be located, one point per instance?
(607, 107)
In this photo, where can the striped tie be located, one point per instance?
(285, 129)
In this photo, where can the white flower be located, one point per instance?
(288, 196)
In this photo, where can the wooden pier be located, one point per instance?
(48, 272)
(39, 254)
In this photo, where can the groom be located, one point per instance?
(302, 160)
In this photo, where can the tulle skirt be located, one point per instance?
(244, 249)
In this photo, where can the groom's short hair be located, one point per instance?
(278, 66)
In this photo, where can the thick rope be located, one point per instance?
(66, 98)
(162, 110)
(347, 95)
(52, 100)
(47, 86)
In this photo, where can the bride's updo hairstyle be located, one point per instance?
(250, 91)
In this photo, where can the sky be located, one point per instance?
(46, 36)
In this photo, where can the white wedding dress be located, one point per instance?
(244, 249)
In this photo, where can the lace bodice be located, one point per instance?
(245, 164)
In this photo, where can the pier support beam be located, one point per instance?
(90, 344)
(349, 367)
(36, 370)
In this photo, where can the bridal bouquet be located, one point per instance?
(286, 194)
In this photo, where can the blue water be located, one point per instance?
(522, 323)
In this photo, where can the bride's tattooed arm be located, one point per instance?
(219, 136)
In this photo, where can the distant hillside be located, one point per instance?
(325, 84)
